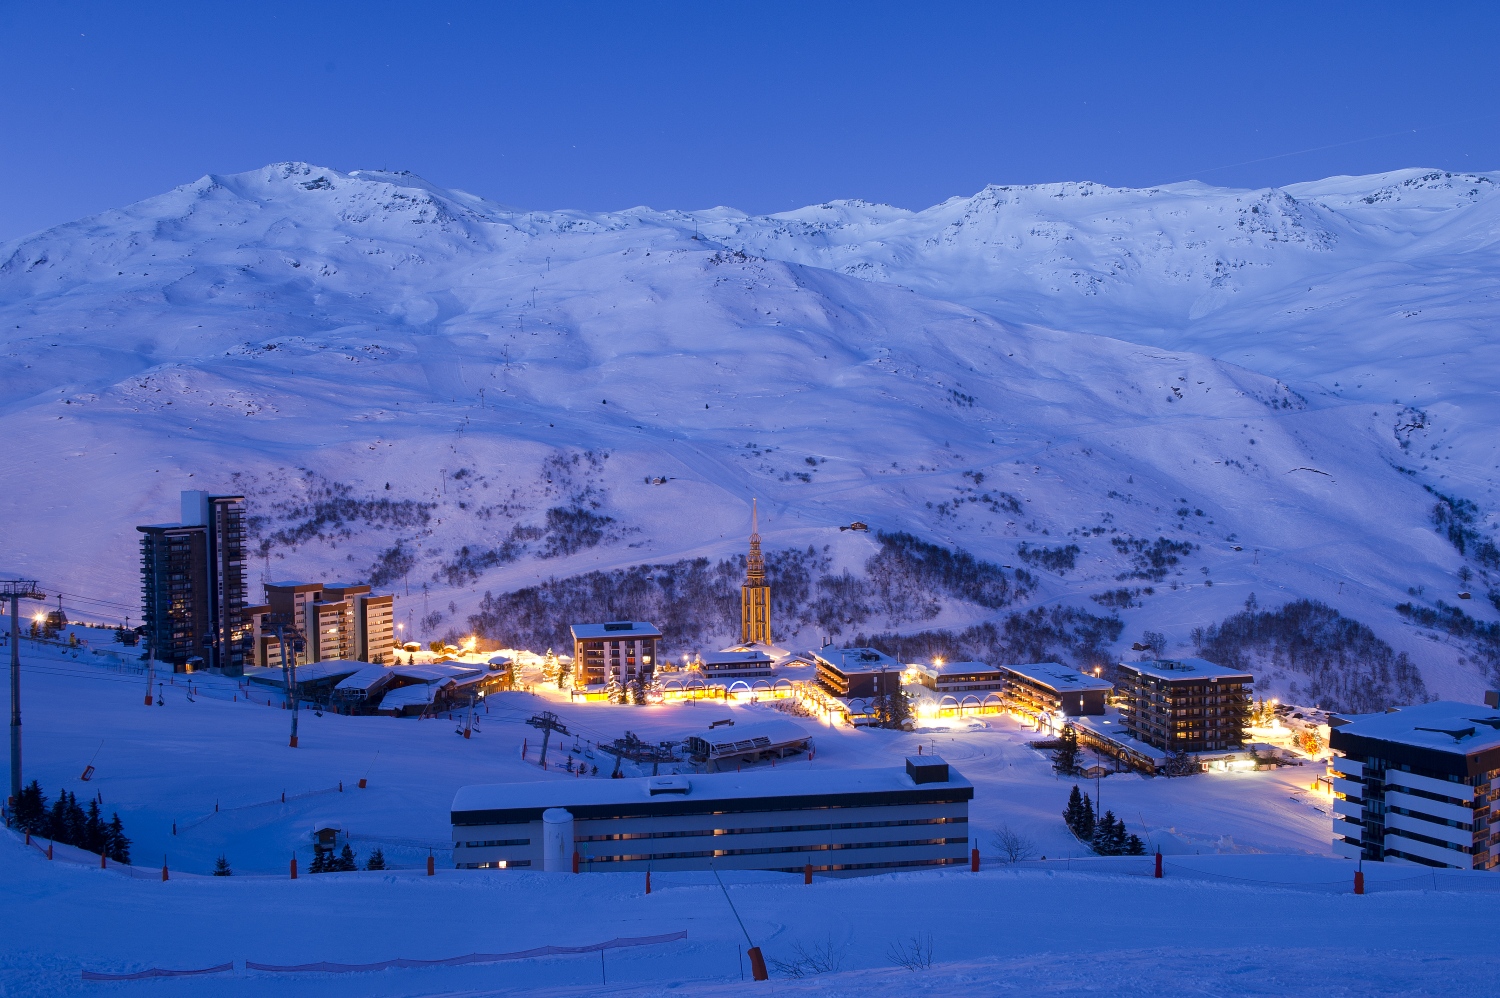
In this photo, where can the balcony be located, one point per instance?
(1462, 837)
(1348, 788)
(1458, 791)
(1424, 805)
(1437, 854)
(1349, 808)
(1348, 767)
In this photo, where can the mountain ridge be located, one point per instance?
(313, 337)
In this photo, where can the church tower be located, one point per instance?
(755, 594)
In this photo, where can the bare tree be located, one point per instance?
(1012, 845)
(913, 954)
(809, 960)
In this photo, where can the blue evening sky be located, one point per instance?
(763, 106)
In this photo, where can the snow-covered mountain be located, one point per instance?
(460, 396)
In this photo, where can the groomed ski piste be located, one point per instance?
(1252, 901)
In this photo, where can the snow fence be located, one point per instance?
(324, 967)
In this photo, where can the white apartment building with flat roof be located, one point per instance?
(1419, 784)
(843, 823)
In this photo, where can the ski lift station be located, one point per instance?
(839, 822)
(727, 744)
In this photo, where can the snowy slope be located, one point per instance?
(1246, 855)
(385, 366)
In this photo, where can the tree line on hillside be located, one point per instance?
(696, 601)
(1347, 668)
(1041, 634)
(1484, 638)
(71, 823)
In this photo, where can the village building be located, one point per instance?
(733, 664)
(839, 822)
(332, 620)
(1419, 784)
(1045, 692)
(620, 651)
(193, 585)
(960, 677)
(1185, 705)
(857, 673)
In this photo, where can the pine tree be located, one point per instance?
(1066, 760)
(319, 864)
(1085, 829)
(31, 809)
(377, 861)
(1134, 846)
(1117, 838)
(1073, 814)
(77, 826)
(57, 818)
(221, 867)
(93, 829)
(115, 842)
(346, 862)
(900, 708)
(1104, 830)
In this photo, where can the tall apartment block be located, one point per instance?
(1419, 784)
(619, 651)
(193, 585)
(1186, 705)
(336, 621)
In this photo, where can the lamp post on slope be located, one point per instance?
(16, 590)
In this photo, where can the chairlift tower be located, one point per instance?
(548, 722)
(286, 631)
(16, 590)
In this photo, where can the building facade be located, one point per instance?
(335, 621)
(857, 673)
(1419, 784)
(621, 651)
(1046, 691)
(174, 592)
(193, 585)
(1186, 705)
(755, 594)
(842, 823)
(960, 678)
(735, 664)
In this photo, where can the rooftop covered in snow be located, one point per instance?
(1446, 727)
(1179, 670)
(941, 668)
(615, 630)
(853, 660)
(1060, 678)
(776, 789)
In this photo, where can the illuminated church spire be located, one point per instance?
(755, 574)
(755, 594)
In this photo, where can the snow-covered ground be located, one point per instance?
(1252, 902)
(174, 763)
(1051, 365)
